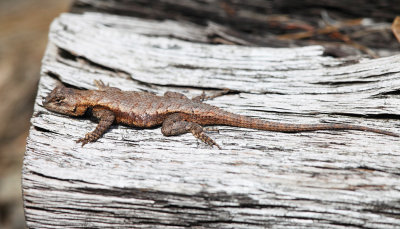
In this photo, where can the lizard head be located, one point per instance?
(65, 101)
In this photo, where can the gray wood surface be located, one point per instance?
(139, 178)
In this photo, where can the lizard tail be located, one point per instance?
(252, 123)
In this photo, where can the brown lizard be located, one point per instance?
(176, 113)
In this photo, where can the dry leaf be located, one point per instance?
(396, 27)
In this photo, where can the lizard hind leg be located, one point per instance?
(172, 94)
(204, 97)
(175, 125)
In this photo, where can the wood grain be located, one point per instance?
(139, 178)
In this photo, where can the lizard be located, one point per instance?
(174, 112)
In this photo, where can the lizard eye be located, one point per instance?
(59, 100)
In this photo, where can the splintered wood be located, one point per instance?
(139, 178)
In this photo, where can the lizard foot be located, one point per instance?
(203, 96)
(199, 133)
(85, 140)
(106, 118)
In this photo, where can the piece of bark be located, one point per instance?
(139, 178)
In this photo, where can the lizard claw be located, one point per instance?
(83, 140)
(100, 85)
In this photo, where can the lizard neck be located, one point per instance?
(90, 98)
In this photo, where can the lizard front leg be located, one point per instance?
(176, 125)
(103, 87)
(106, 119)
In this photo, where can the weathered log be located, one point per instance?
(139, 178)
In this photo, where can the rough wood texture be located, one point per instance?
(139, 178)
